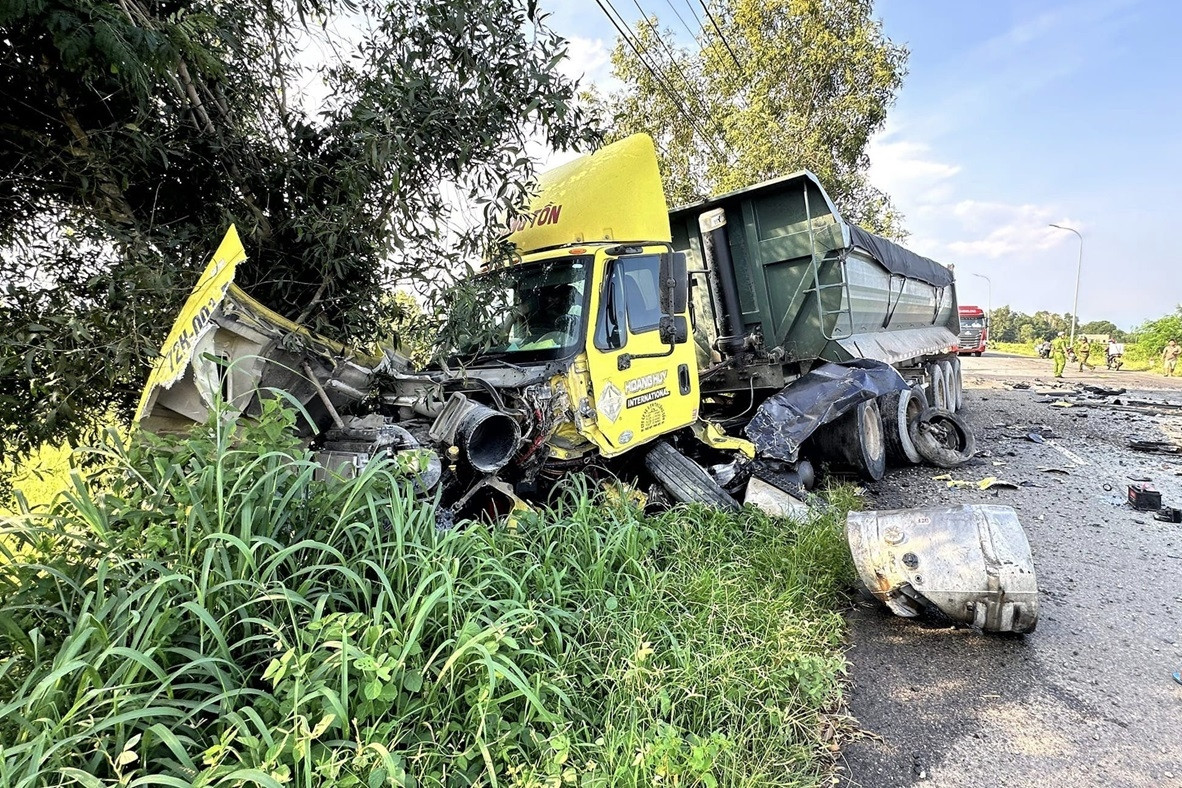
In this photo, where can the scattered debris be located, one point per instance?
(1035, 437)
(774, 501)
(1139, 478)
(1156, 447)
(1103, 391)
(1020, 385)
(973, 563)
(1063, 471)
(1144, 498)
(1168, 514)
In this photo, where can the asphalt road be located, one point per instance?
(1085, 700)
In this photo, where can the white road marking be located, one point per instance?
(1068, 453)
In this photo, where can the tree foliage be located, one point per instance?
(788, 85)
(137, 131)
(1154, 334)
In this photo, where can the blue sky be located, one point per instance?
(1014, 115)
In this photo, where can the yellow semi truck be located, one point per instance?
(689, 350)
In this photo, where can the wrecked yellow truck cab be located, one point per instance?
(632, 342)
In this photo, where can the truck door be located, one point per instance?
(642, 387)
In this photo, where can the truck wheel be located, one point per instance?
(899, 409)
(977, 354)
(937, 386)
(958, 384)
(685, 480)
(855, 441)
(946, 368)
(942, 438)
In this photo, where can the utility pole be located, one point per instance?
(1078, 270)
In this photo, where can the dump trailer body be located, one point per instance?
(809, 286)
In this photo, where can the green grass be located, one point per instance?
(204, 612)
(1136, 359)
(1015, 348)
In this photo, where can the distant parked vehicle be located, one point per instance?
(974, 330)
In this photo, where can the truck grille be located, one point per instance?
(970, 338)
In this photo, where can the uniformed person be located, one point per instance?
(1169, 358)
(1085, 350)
(1059, 353)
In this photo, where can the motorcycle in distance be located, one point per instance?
(1044, 349)
(1115, 356)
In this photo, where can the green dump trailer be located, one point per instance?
(781, 283)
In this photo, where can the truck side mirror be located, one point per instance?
(673, 330)
(674, 276)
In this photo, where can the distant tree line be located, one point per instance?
(1011, 326)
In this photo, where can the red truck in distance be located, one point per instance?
(974, 330)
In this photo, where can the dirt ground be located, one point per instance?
(1087, 699)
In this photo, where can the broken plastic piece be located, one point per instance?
(773, 501)
(973, 563)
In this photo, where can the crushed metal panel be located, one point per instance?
(971, 562)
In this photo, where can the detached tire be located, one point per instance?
(685, 480)
(898, 409)
(942, 438)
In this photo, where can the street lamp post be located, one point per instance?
(1078, 270)
(989, 303)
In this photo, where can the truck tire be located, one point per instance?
(937, 388)
(958, 384)
(949, 385)
(685, 480)
(855, 441)
(899, 409)
(920, 396)
(942, 438)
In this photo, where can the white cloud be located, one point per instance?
(589, 60)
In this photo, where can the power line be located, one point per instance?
(624, 31)
(676, 13)
(690, 90)
(718, 30)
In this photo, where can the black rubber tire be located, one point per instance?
(921, 396)
(855, 441)
(958, 384)
(937, 386)
(949, 372)
(977, 354)
(942, 438)
(685, 480)
(898, 410)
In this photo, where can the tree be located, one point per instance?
(1154, 334)
(136, 131)
(779, 86)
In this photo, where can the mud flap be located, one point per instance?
(972, 562)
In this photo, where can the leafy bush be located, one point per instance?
(206, 612)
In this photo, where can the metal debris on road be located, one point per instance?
(973, 563)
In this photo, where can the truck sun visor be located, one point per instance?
(787, 418)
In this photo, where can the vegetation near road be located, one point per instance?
(205, 612)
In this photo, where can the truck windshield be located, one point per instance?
(530, 312)
(972, 322)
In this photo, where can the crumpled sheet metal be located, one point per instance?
(971, 562)
(786, 419)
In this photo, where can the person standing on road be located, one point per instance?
(1169, 358)
(1085, 350)
(1059, 353)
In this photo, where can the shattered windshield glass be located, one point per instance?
(530, 312)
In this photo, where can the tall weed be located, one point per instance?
(205, 612)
